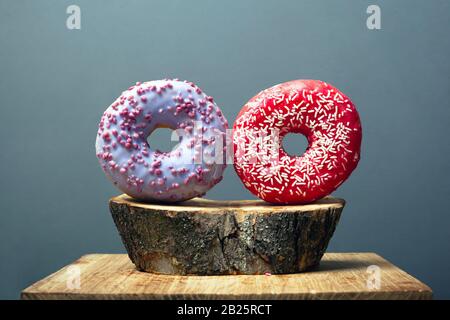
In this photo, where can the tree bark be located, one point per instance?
(206, 237)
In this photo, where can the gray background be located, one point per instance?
(55, 83)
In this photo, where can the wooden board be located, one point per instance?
(340, 276)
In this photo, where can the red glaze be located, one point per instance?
(319, 111)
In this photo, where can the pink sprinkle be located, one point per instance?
(106, 136)
(156, 164)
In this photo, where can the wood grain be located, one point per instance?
(207, 237)
(340, 276)
(218, 206)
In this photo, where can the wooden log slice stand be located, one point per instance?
(206, 237)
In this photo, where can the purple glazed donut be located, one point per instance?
(193, 167)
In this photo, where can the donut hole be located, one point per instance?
(294, 144)
(163, 139)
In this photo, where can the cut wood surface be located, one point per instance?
(208, 237)
(339, 276)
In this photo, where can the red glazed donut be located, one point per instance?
(319, 111)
